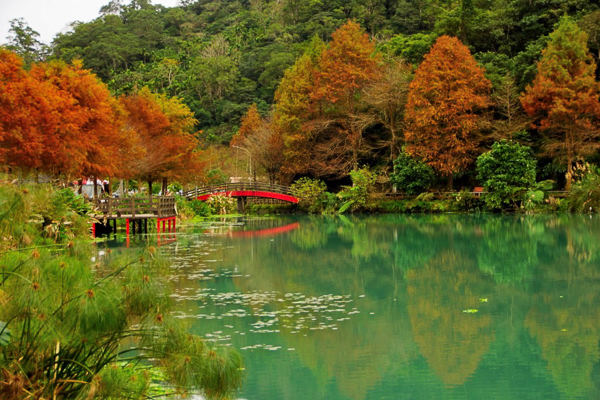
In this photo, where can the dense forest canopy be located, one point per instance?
(224, 57)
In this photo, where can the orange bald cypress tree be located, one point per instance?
(89, 139)
(345, 67)
(292, 109)
(58, 118)
(164, 145)
(564, 96)
(251, 122)
(444, 101)
(28, 114)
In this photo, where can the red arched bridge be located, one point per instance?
(244, 190)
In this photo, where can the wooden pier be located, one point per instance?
(135, 211)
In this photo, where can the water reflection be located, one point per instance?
(419, 307)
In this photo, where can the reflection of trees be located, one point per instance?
(426, 263)
(509, 248)
(453, 342)
(568, 330)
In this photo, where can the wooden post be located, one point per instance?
(157, 225)
(163, 225)
(127, 227)
(94, 230)
(132, 206)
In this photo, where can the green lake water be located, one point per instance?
(399, 307)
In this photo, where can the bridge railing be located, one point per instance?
(231, 187)
(162, 206)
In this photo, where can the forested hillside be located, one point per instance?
(227, 59)
(222, 56)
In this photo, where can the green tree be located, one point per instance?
(24, 41)
(507, 173)
(411, 175)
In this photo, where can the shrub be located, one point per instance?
(355, 197)
(310, 194)
(507, 172)
(411, 175)
(200, 208)
(584, 196)
(466, 201)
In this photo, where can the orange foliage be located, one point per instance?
(250, 124)
(346, 65)
(564, 96)
(25, 114)
(58, 118)
(164, 146)
(90, 134)
(448, 91)
(292, 102)
(318, 103)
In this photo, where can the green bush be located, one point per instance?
(310, 193)
(411, 175)
(467, 201)
(200, 208)
(355, 197)
(507, 173)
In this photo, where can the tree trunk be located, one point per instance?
(95, 188)
(80, 190)
(150, 187)
(164, 187)
(450, 183)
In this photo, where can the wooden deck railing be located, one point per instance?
(230, 187)
(159, 207)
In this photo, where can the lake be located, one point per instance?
(398, 307)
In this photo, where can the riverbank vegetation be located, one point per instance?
(79, 322)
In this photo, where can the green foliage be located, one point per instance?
(72, 322)
(355, 197)
(40, 215)
(584, 196)
(507, 173)
(412, 48)
(310, 193)
(411, 175)
(4, 334)
(216, 176)
(200, 208)
(467, 201)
